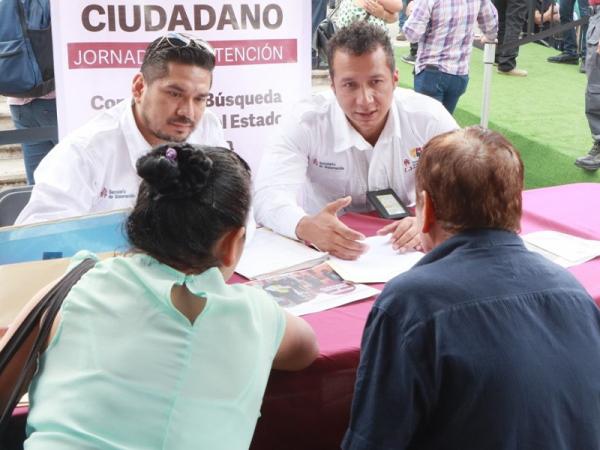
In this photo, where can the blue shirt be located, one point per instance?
(482, 345)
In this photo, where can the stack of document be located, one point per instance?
(296, 276)
(270, 254)
(561, 248)
(379, 264)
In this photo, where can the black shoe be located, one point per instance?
(409, 59)
(564, 58)
(591, 161)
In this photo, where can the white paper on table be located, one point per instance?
(325, 301)
(270, 253)
(563, 249)
(379, 264)
(24, 400)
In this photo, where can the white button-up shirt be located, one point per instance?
(318, 157)
(92, 169)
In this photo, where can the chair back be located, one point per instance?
(12, 202)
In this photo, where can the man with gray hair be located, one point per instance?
(482, 344)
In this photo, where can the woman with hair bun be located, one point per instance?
(152, 349)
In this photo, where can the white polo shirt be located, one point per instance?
(92, 169)
(317, 157)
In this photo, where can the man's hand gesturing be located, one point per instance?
(329, 234)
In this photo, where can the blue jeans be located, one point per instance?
(402, 18)
(569, 37)
(319, 12)
(442, 86)
(38, 113)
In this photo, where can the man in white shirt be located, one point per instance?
(364, 136)
(93, 169)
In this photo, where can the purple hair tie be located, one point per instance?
(171, 154)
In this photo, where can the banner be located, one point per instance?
(262, 51)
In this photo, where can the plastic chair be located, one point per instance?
(12, 202)
(10, 190)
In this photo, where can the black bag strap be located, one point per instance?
(42, 316)
(334, 10)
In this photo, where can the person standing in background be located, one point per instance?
(414, 47)
(444, 32)
(377, 12)
(401, 20)
(511, 17)
(37, 107)
(591, 161)
(34, 113)
(319, 11)
(570, 54)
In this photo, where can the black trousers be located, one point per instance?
(512, 14)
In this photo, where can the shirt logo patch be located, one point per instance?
(326, 165)
(415, 153)
(115, 194)
(409, 165)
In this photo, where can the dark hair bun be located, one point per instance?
(175, 170)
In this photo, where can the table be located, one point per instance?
(310, 409)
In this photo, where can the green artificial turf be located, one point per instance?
(542, 114)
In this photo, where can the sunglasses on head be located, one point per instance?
(181, 40)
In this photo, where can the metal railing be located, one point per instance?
(28, 135)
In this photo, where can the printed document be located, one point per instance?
(270, 253)
(313, 290)
(379, 264)
(564, 249)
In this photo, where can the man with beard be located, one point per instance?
(93, 168)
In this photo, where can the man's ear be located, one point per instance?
(428, 212)
(395, 77)
(138, 86)
(229, 247)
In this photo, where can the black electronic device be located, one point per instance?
(387, 204)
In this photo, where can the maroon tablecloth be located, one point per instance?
(309, 410)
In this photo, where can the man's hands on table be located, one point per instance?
(326, 232)
(405, 234)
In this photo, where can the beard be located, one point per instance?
(168, 137)
(163, 135)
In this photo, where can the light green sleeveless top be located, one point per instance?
(126, 370)
(349, 12)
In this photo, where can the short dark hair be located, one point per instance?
(359, 38)
(190, 196)
(162, 51)
(474, 177)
